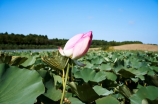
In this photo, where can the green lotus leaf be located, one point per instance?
(118, 65)
(38, 61)
(57, 61)
(30, 61)
(90, 75)
(131, 72)
(97, 60)
(152, 80)
(143, 70)
(39, 66)
(135, 90)
(12, 60)
(109, 83)
(152, 101)
(134, 71)
(102, 91)
(155, 68)
(106, 59)
(96, 67)
(152, 73)
(148, 92)
(134, 79)
(139, 86)
(126, 73)
(84, 92)
(57, 79)
(5, 58)
(106, 67)
(140, 76)
(45, 100)
(28, 54)
(92, 55)
(124, 90)
(17, 60)
(136, 64)
(118, 96)
(75, 101)
(75, 69)
(127, 63)
(107, 100)
(88, 64)
(52, 93)
(115, 57)
(68, 95)
(42, 73)
(19, 86)
(45, 75)
(111, 76)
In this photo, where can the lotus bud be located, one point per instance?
(77, 46)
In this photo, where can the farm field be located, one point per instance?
(114, 77)
(144, 47)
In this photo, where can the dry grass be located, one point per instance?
(143, 47)
(94, 49)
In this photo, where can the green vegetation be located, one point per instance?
(12, 46)
(112, 77)
(102, 43)
(34, 41)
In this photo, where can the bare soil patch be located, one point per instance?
(144, 47)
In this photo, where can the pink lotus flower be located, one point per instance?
(77, 46)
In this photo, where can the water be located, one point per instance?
(34, 50)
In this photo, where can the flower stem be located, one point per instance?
(63, 78)
(63, 94)
(72, 72)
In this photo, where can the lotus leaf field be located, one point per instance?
(112, 77)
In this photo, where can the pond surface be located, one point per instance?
(34, 50)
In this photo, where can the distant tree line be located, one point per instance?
(30, 41)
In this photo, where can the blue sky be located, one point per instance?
(119, 20)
